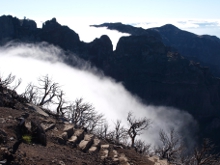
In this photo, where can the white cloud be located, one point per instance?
(28, 62)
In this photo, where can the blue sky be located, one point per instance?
(197, 16)
(162, 9)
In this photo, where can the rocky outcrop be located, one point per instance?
(98, 51)
(147, 68)
(62, 36)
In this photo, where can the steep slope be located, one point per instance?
(161, 77)
(32, 135)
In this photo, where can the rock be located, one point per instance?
(88, 137)
(73, 140)
(28, 126)
(37, 109)
(3, 162)
(79, 133)
(96, 142)
(115, 153)
(25, 115)
(2, 120)
(38, 133)
(84, 145)
(64, 135)
(47, 127)
(154, 159)
(123, 159)
(3, 136)
(105, 146)
(12, 138)
(93, 149)
(61, 140)
(104, 154)
(69, 128)
(61, 163)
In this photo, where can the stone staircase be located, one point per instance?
(89, 143)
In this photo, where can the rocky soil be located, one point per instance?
(52, 140)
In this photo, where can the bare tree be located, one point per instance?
(205, 155)
(62, 106)
(7, 81)
(171, 146)
(136, 126)
(48, 90)
(84, 115)
(17, 84)
(30, 94)
(119, 132)
(142, 147)
(103, 130)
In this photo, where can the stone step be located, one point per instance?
(156, 161)
(123, 159)
(115, 156)
(95, 146)
(69, 128)
(76, 138)
(104, 153)
(86, 143)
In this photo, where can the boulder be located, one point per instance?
(3, 136)
(47, 126)
(69, 128)
(64, 135)
(93, 149)
(96, 142)
(73, 139)
(61, 140)
(105, 146)
(38, 133)
(79, 133)
(88, 137)
(37, 109)
(84, 145)
(104, 154)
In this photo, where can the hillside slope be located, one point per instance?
(32, 135)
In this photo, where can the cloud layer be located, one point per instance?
(28, 61)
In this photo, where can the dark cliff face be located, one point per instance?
(14, 29)
(160, 77)
(52, 32)
(98, 51)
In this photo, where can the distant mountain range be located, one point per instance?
(163, 66)
(204, 49)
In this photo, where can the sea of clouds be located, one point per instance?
(31, 61)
